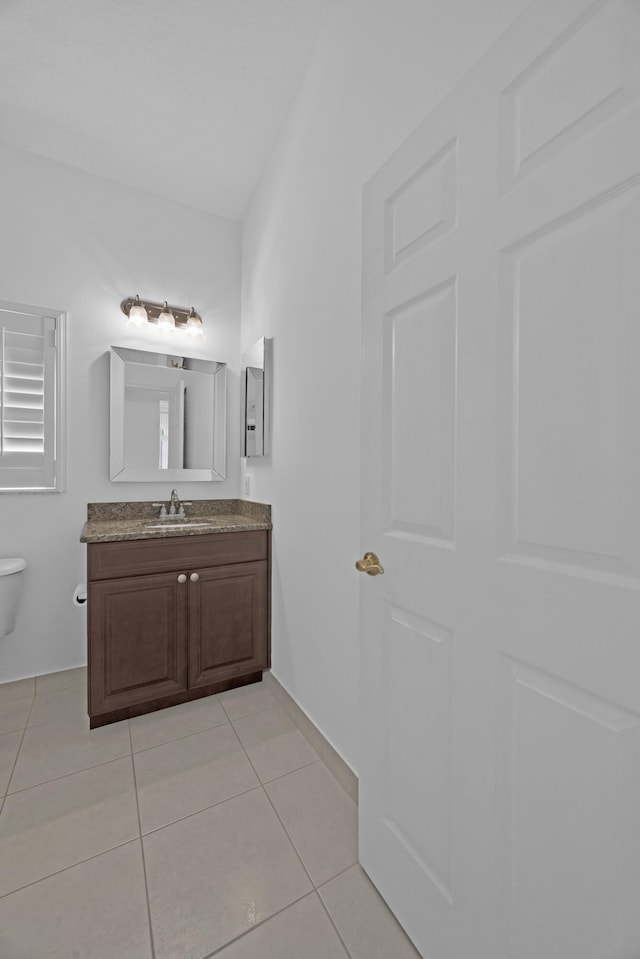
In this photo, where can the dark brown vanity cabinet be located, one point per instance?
(175, 619)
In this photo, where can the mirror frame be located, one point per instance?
(260, 357)
(119, 472)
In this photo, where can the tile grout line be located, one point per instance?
(174, 822)
(294, 711)
(65, 775)
(141, 840)
(177, 739)
(59, 689)
(341, 873)
(58, 872)
(64, 717)
(315, 892)
(15, 761)
(219, 802)
(275, 779)
(273, 807)
(315, 887)
(212, 805)
(225, 721)
(16, 699)
(259, 785)
(82, 682)
(85, 769)
(257, 711)
(282, 776)
(244, 792)
(326, 909)
(312, 891)
(247, 932)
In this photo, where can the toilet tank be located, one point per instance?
(11, 570)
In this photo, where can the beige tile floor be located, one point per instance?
(208, 829)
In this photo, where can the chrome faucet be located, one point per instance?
(175, 509)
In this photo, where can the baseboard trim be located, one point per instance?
(44, 683)
(340, 769)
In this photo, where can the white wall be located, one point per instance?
(379, 68)
(79, 243)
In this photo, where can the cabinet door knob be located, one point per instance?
(182, 578)
(194, 577)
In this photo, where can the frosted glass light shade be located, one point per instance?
(166, 320)
(193, 325)
(138, 314)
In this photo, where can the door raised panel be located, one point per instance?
(422, 209)
(137, 631)
(566, 436)
(418, 724)
(420, 367)
(228, 622)
(569, 840)
(588, 73)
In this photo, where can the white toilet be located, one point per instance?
(10, 586)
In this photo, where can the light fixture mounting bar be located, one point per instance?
(155, 309)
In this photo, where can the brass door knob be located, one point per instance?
(194, 577)
(369, 564)
(182, 578)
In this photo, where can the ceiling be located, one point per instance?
(184, 98)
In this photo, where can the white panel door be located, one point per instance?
(500, 650)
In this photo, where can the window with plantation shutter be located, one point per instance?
(31, 399)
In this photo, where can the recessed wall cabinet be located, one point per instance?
(255, 379)
(175, 619)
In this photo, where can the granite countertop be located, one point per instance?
(114, 522)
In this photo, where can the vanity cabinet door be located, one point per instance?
(228, 622)
(137, 640)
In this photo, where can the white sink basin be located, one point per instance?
(181, 524)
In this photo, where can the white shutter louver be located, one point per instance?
(22, 378)
(28, 393)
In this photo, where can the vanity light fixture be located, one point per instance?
(143, 313)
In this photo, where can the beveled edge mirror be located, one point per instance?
(256, 377)
(216, 419)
